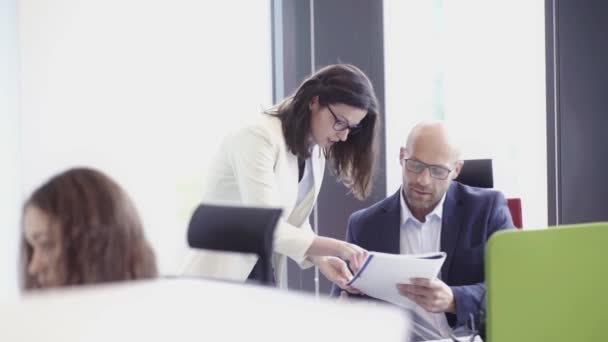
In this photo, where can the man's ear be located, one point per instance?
(402, 154)
(457, 168)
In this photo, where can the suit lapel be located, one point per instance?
(390, 238)
(301, 211)
(451, 225)
(318, 168)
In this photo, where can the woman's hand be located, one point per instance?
(324, 246)
(354, 254)
(336, 271)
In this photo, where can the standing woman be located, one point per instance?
(278, 160)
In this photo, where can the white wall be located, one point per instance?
(480, 66)
(9, 150)
(142, 90)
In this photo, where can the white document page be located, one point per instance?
(381, 272)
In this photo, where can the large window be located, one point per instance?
(479, 65)
(9, 149)
(142, 90)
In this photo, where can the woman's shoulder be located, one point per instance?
(263, 126)
(257, 130)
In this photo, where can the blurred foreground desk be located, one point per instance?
(194, 310)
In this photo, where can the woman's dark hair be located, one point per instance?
(352, 161)
(102, 235)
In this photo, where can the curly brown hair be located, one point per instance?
(102, 235)
(352, 161)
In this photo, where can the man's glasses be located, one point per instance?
(436, 171)
(341, 125)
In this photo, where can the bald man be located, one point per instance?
(431, 212)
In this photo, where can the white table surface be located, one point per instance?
(194, 310)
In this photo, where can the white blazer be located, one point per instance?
(255, 168)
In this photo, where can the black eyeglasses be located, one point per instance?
(436, 171)
(341, 125)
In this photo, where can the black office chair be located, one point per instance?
(477, 173)
(236, 229)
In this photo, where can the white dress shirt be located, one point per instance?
(423, 237)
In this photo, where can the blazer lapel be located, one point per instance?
(390, 225)
(317, 159)
(451, 225)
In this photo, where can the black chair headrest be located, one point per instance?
(231, 228)
(477, 173)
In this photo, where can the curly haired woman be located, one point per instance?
(80, 228)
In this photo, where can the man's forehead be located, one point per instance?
(431, 154)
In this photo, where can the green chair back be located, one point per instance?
(548, 285)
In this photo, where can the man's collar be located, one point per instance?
(407, 214)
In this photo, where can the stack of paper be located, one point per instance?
(381, 272)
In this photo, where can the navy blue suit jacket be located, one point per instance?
(470, 216)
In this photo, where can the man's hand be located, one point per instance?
(432, 294)
(336, 271)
